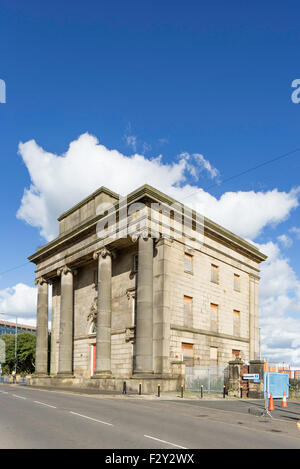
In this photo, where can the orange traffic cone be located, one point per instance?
(284, 402)
(271, 403)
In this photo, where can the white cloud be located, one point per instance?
(20, 301)
(58, 182)
(285, 240)
(279, 307)
(296, 231)
(131, 141)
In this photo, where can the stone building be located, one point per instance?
(136, 297)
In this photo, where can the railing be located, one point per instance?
(4, 379)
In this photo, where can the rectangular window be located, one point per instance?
(214, 355)
(188, 263)
(236, 322)
(214, 273)
(236, 282)
(214, 317)
(188, 354)
(188, 311)
(135, 263)
(236, 354)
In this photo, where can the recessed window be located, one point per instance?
(96, 279)
(236, 322)
(188, 311)
(213, 352)
(135, 263)
(214, 273)
(214, 309)
(187, 354)
(236, 282)
(188, 263)
(236, 354)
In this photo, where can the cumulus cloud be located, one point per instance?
(279, 307)
(285, 240)
(20, 301)
(58, 182)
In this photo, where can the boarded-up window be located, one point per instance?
(214, 355)
(188, 311)
(188, 263)
(188, 354)
(214, 273)
(236, 354)
(214, 317)
(236, 282)
(236, 322)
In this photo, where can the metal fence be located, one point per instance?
(212, 378)
(4, 379)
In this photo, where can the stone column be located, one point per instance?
(253, 319)
(65, 360)
(41, 362)
(144, 312)
(161, 308)
(103, 338)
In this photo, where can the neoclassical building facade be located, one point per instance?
(141, 288)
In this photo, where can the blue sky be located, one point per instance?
(156, 78)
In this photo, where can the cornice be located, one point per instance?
(211, 228)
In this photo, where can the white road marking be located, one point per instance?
(19, 397)
(163, 441)
(90, 418)
(43, 403)
(4, 392)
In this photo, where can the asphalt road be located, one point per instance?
(31, 418)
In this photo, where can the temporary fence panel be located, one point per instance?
(277, 384)
(212, 378)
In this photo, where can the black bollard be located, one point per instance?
(241, 392)
(124, 387)
(158, 390)
(201, 391)
(140, 389)
(224, 391)
(181, 392)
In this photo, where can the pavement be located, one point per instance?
(46, 418)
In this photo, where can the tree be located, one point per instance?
(25, 353)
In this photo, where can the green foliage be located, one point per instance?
(25, 353)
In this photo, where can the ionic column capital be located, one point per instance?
(144, 234)
(41, 281)
(65, 270)
(103, 252)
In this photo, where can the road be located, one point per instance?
(33, 418)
